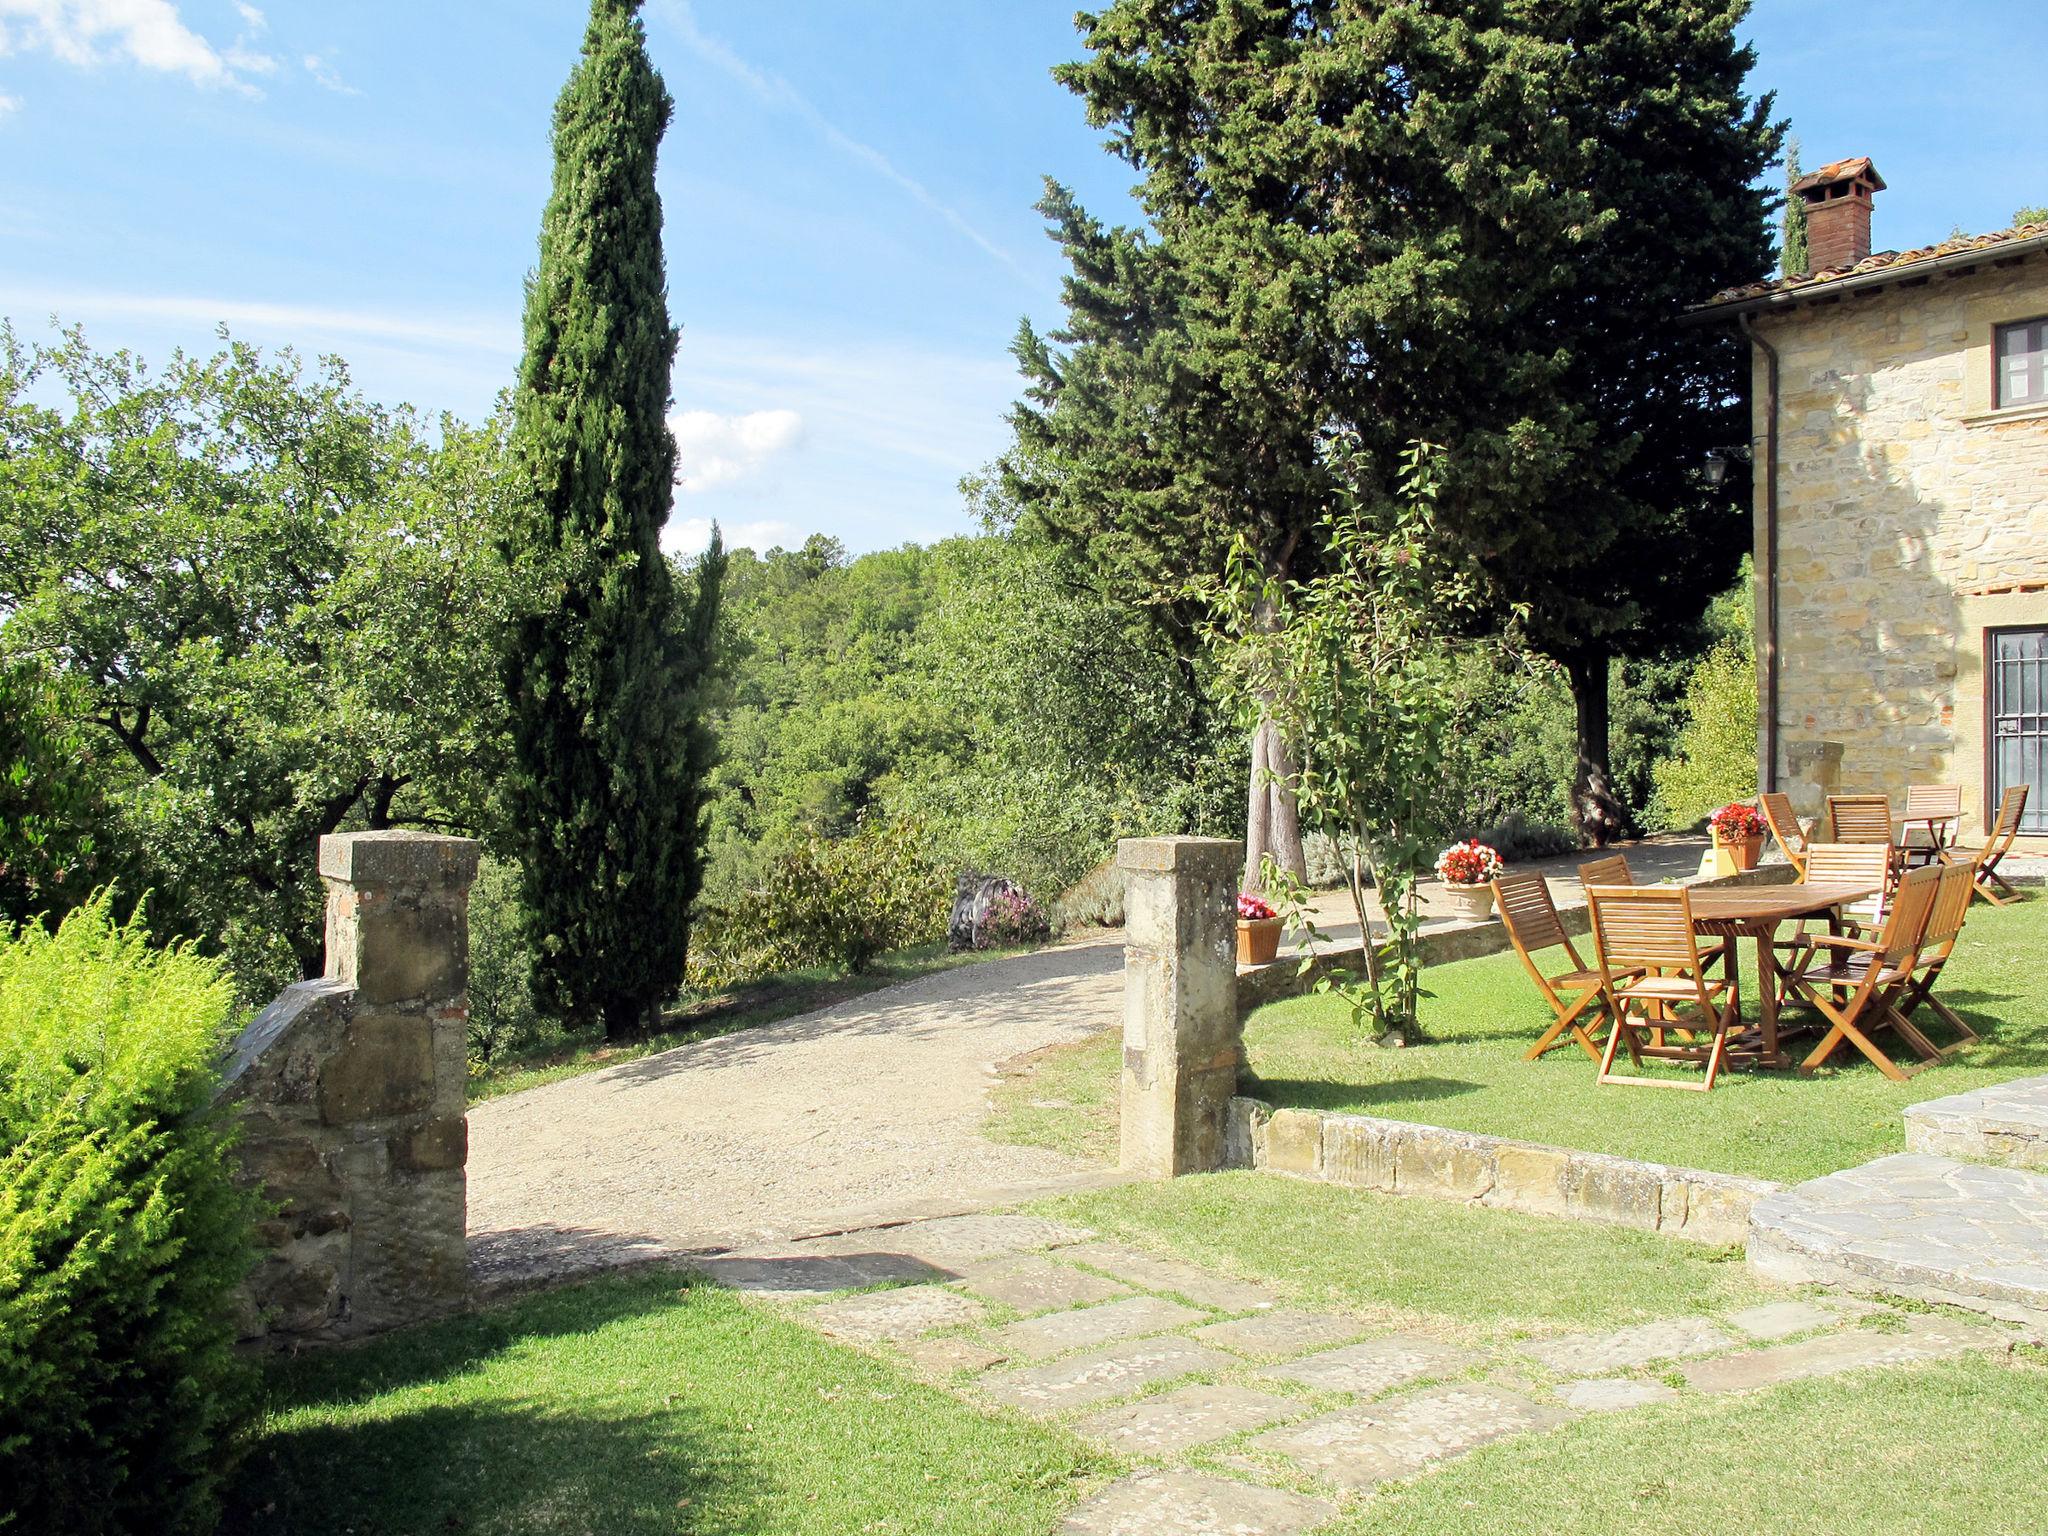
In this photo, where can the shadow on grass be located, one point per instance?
(1298, 1093)
(424, 1431)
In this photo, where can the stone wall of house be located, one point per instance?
(351, 1092)
(1912, 516)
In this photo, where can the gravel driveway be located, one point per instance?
(864, 1112)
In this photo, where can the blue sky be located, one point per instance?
(849, 193)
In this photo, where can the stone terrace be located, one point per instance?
(1239, 1412)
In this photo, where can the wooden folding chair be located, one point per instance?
(1650, 957)
(2012, 805)
(1852, 864)
(1612, 870)
(1944, 927)
(1860, 819)
(1930, 808)
(1785, 830)
(1855, 991)
(1530, 917)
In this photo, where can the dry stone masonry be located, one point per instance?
(351, 1094)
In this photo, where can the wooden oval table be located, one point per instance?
(1757, 912)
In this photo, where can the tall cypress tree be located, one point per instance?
(603, 662)
(1792, 257)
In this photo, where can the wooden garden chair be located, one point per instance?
(1860, 819)
(1944, 927)
(1530, 917)
(1612, 870)
(1785, 830)
(1650, 960)
(1852, 864)
(1930, 820)
(1856, 989)
(2012, 805)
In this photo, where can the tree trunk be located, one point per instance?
(1273, 821)
(1597, 814)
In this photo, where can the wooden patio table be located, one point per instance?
(1757, 912)
(1940, 828)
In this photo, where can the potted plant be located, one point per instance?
(1739, 829)
(1258, 932)
(1467, 870)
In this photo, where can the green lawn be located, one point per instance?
(635, 1405)
(1471, 1271)
(1482, 1014)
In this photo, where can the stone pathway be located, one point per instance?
(1243, 1415)
(1915, 1224)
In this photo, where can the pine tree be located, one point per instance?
(603, 661)
(1792, 254)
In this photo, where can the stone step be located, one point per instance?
(2005, 1124)
(1917, 1225)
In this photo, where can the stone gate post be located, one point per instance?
(352, 1095)
(1182, 1037)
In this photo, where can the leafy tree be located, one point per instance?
(603, 663)
(267, 608)
(2035, 214)
(53, 814)
(1472, 223)
(1794, 260)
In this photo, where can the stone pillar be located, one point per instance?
(352, 1094)
(1183, 1041)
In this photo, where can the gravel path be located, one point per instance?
(862, 1113)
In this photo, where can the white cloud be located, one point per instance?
(9, 104)
(148, 33)
(778, 92)
(324, 75)
(714, 450)
(480, 333)
(691, 535)
(252, 18)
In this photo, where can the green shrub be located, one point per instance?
(1715, 760)
(836, 902)
(502, 1016)
(122, 1233)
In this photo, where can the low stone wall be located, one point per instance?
(1258, 985)
(1398, 1157)
(351, 1094)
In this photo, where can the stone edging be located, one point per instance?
(1402, 1158)
(1442, 944)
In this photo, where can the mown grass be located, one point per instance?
(1946, 1450)
(631, 1406)
(1467, 1270)
(782, 996)
(1482, 1014)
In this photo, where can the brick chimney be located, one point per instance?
(1837, 199)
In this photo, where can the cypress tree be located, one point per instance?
(603, 661)
(1792, 258)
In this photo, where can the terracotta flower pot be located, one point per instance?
(1472, 902)
(1258, 940)
(1743, 850)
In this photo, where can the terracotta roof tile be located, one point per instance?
(1841, 170)
(1879, 261)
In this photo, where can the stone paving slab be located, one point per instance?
(889, 1316)
(1272, 1335)
(1589, 1354)
(949, 1357)
(1359, 1447)
(1776, 1320)
(1925, 1338)
(1204, 1287)
(1375, 1366)
(1612, 1394)
(811, 1274)
(2006, 1123)
(1186, 1503)
(1179, 1421)
(966, 1239)
(1916, 1225)
(1032, 1283)
(1040, 1338)
(1102, 1374)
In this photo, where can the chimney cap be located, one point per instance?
(1853, 170)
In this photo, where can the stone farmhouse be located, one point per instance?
(1899, 412)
